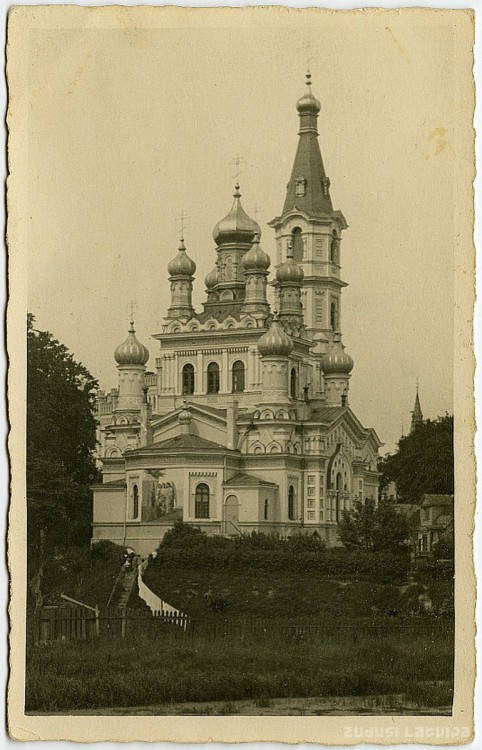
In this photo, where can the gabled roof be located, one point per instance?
(329, 415)
(194, 407)
(213, 409)
(437, 500)
(247, 480)
(443, 520)
(183, 443)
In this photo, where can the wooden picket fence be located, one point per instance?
(66, 623)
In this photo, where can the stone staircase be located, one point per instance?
(126, 585)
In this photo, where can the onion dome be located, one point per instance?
(290, 272)
(337, 361)
(256, 259)
(308, 103)
(237, 226)
(181, 265)
(275, 342)
(211, 279)
(131, 352)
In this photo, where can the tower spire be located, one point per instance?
(309, 187)
(417, 416)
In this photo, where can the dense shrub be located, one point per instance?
(428, 568)
(188, 547)
(443, 550)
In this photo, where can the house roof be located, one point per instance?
(183, 443)
(437, 500)
(443, 520)
(247, 480)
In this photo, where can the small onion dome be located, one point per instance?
(237, 226)
(256, 259)
(181, 265)
(290, 272)
(131, 352)
(275, 342)
(211, 279)
(308, 103)
(337, 361)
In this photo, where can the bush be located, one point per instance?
(443, 550)
(187, 547)
(429, 568)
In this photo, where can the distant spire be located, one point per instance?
(417, 416)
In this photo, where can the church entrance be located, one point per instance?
(231, 516)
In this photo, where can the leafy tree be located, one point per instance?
(377, 528)
(423, 462)
(60, 449)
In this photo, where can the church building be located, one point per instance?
(245, 425)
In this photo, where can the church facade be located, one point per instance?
(245, 425)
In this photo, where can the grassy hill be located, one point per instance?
(269, 577)
(84, 573)
(282, 594)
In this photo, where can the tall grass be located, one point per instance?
(102, 673)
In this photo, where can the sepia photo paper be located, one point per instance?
(240, 245)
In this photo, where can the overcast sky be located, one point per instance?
(127, 128)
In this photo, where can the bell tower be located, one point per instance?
(309, 230)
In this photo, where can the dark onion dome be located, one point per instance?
(211, 279)
(275, 342)
(308, 103)
(237, 226)
(131, 352)
(181, 265)
(337, 361)
(256, 259)
(290, 272)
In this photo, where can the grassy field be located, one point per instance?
(146, 671)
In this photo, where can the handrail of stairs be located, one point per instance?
(235, 528)
(117, 580)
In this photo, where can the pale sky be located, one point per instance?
(127, 128)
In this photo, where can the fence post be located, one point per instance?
(97, 623)
(123, 623)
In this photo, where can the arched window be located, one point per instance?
(238, 377)
(291, 503)
(266, 506)
(334, 248)
(333, 316)
(297, 245)
(188, 379)
(135, 501)
(201, 504)
(213, 377)
(293, 384)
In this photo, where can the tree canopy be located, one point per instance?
(423, 462)
(60, 444)
(377, 528)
